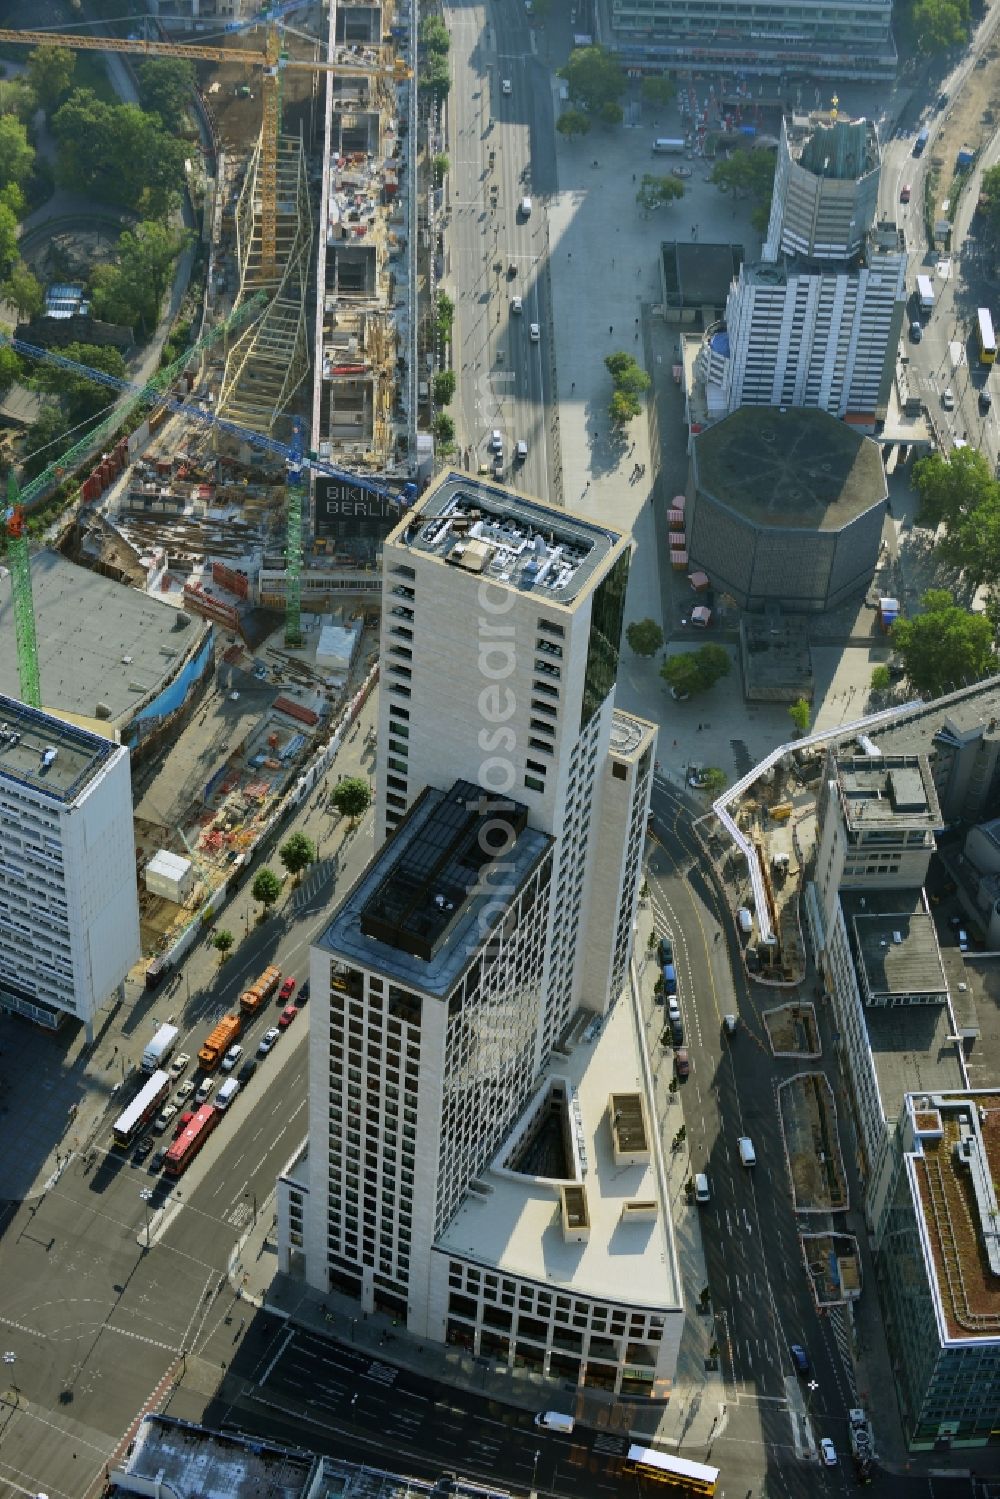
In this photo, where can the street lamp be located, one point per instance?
(146, 1196)
(534, 1466)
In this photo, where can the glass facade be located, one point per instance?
(604, 646)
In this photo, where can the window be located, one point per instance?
(550, 628)
(619, 771)
(534, 784)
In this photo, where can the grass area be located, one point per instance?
(91, 73)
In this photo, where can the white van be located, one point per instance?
(745, 920)
(526, 208)
(555, 1421)
(747, 1155)
(702, 1191)
(227, 1092)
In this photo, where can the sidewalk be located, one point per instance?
(695, 1412)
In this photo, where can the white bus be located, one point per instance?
(141, 1109)
(678, 1472)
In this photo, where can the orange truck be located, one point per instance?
(252, 999)
(218, 1042)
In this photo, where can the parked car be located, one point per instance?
(985, 399)
(180, 1061)
(505, 86)
(516, 305)
(267, 1041)
(916, 331)
(286, 991)
(232, 1057)
(666, 950)
(204, 1092)
(682, 1062)
(303, 993)
(676, 1030)
(670, 978)
(287, 1015)
(800, 1359)
(673, 1008)
(184, 1093)
(143, 1149)
(163, 1118)
(828, 1452)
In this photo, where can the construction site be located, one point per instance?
(211, 600)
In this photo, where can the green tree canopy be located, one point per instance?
(626, 373)
(444, 429)
(266, 888)
(50, 74)
(434, 36)
(657, 91)
(656, 191)
(83, 397)
(573, 122)
(696, 671)
(801, 714)
(8, 239)
(45, 440)
(713, 780)
(434, 74)
(223, 940)
(989, 199)
(444, 387)
(940, 24)
(352, 797)
(17, 155)
(749, 174)
(17, 97)
(297, 852)
(594, 76)
(118, 153)
(644, 637)
(165, 88)
(880, 678)
(132, 291)
(611, 113)
(10, 368)
(623, 408)
(945, 645)
(23, 290)
(952, 485)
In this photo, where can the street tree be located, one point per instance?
(623, 408)
(655, 192)
(434, 38)
(800, 713)
(644, 637)
(573, 122)
(50, 74)
(443, 427)
(713, 780)
(950, 485)
(8, 239)
(165, 88)
(945, 645)
(611, 113)
(444, 387)
(434, 74)
(749, 174)
(989, 200)
(23, 290)
(439, 166)
(297, 852)
(626, 373)
(657, 91)
(594, 77)
(17, 154)
(880, 678)
(266, 888)
(223, 941)
(682, 674)
(940, 24)
(83, 397)
(352, 797)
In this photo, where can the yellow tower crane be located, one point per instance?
(272, 63)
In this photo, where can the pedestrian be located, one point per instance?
(573, 386)
(569, 254)
(675, 744)
(611, 327)
(612, 262)
(633, 176)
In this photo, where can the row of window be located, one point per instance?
(491, 1287)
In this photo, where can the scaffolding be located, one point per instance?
(267, 364)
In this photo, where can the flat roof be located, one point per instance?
(797, 468)
(888, 791)
(628, 734)
(896, 944)
(957, 716)
(429, 899)
(699, 275)
(517, 1224)
(99, 642)
(47, 754)
(193, 1462)
(956, 1164)
(494, 533)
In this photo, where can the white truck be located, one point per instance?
(925, 294)
(159, 1048)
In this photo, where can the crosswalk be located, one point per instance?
(319, 875)
(604, 1442)
(383, 1374)
(838, 1326)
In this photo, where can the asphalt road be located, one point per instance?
(496, 252)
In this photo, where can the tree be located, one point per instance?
(989, 199)
(713, 780)
(801, 714)
(118, 153)
(654, 192)
(23, 290)
(626, 373)
(881, 679)
(945, 645)
(223, 941)
(940, 24)
(749, 174)
(50, 73)
(8, 239)
(83, 397)
(951, 485)
(434, 74)
(594, 77)
(439, 166)
(713, 664)
(657, 91)
(17, 97)
(165, 88)
(611, 113)
(352, 797)
(17, 155)
(266, 888)
(696, 671)
(644, 637)
(434, 37)
(573, 122)
(297, 853)
(443, 428)
(444, 387)
(623, 408)
(445, 315)
(131, 291)
(45, 440)
(10, 368)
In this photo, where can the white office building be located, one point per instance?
(482, 1160)
(69, 913)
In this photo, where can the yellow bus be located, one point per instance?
(987, 338)
(677, 1472)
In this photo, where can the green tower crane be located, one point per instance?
(20, 587)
